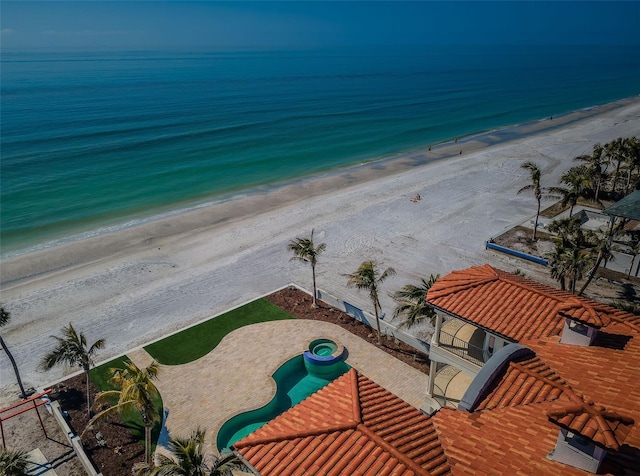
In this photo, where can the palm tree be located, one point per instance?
(614, 151)
(304, 249)
(557, 266)
(635, 251)
(568, 231)
(72, 350)
(576, 262)
(601, 249)
(189, 459)
(13, 463)
(5, 316)
(578, 184)
(535, 186)
(412, 303)
(632, 162)
(597, 165)
(137, 392)
(369, 278)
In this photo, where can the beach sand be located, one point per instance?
(138, 284)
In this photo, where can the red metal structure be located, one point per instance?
(22, 406)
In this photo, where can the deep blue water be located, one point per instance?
(94, 139)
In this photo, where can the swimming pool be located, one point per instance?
(296, 380)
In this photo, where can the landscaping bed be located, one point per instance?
(121, 449)
(298, 303)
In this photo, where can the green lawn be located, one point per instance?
(100, 377)
(199, 340)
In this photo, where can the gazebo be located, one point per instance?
(628, 207)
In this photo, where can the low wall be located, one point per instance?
(73, 439)
(518, 254)
(386, 327)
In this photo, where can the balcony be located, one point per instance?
(449, 387)
(464, 340)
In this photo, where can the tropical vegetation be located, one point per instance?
(534, 186)
(412, 305)
(304, 249)
(576, 251)
(134, 390)
(609, 172)
(13, 462)
(369, 278)
(72, 350)
(189, 458)
(577, 185)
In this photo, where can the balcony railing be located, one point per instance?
(450, 385)
(462, 348)
(443, 379)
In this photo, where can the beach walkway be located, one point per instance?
(236, 376)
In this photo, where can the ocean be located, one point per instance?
(92, 141)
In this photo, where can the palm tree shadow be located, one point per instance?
(611, 341)
(628, 293)
(136, 430)
(71, 398)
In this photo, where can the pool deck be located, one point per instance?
(236, 376)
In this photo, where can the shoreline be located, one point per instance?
(265, 198)
(139, 284)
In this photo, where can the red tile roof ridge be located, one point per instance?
(476, 275)
(566, 299)
(404, 459)
(626, 319)
(563, 304)
(459, 280)
(355, 391)
(295, 435)
(593, 317)
(601, 417)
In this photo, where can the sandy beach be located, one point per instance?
(138, 284)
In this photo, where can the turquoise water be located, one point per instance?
(95, 141)
(295, 383)
(323, 347)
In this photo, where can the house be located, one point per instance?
(482, 309)
(552, 387)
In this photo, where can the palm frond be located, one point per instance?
(5, 316)
(13, 462)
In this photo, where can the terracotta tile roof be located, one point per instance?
(593, 391)
(355, 427)
(529, 381)
(516, 307)
(350, 427)
(608, 376)
(533, 381)
(504, 441)
(604, 427)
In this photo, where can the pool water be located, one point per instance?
(296, 380)
(323, 347)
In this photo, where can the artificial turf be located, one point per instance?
(197, 341)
